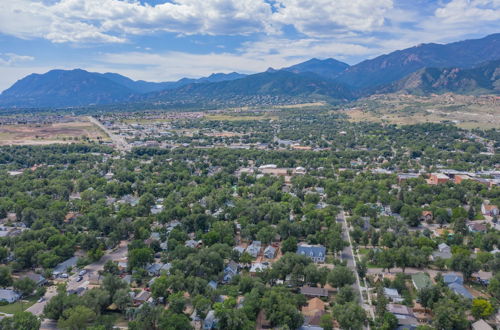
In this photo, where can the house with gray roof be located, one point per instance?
(254, 248)
(316, 252)
(393, 295)
(230, 271)
(443, 252)
(64, 266)
(270, 252)
(210, 321)
(9, 296)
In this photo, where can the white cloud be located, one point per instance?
(329, 18)
(470, 11)
(11, 58)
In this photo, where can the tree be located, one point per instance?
(388, 321)
(25, 285)
(494, 286)
(5, 276)
(326, 322)
(403, 257)
(122, 299)
(289, 245)
(139, 258)
(340, 276)
(481, 308)
(350, 316)
(77, 318)
(177, 302)
(112, 284)
(449, 314)
(230, 317)
(21, 320)
(345, 294)
(111, 267)
(281, 308)
(172, 321)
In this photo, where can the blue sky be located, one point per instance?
(164, 40)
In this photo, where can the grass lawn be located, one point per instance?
(18, 306)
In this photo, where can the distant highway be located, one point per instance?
(119, 141)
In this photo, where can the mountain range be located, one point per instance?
(469, 66)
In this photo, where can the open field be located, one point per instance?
(77, 129)
(464, 111)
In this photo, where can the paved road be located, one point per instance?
(119, 141)
(348, 256)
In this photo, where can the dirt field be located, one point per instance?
(239, 118)
(464, 111)
(79, 129)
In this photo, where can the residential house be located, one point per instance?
(141, 297)
(254, 248)
(482, 277)
(481, 325)
(489, 209)
(393, 295)
(427, 216)
(37, 278)
(421, 280)
(310, 291)
(269, 252)
(9, 296)
(230, 271)
(258, 267)
(212, 285)
(316, 252)
(438, 178)
(239, 249)
(193, 244)
(404, 315)
(157, 269)
(461, 177)
(444, 252)
(477, 227)
(455, 283)
(64, 266)
(405, 176)
(313, 312)
(210, 321)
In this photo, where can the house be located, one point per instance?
(405, 176)
(212, 285)
(421, 280)
(64, 266)
(477, 227)
(254, 248)
(393, 295)
(9, 296)
(239, 249)
(460, 290)
(404, 315)
(444, 252)
(316, 252)
(481, 325)
(269, 252)
(438, 178)
(489, 209)
(461, 177)
(193, 244)
(427, 216)
(210, 321)
(157, 269)
(310, 291)
(37, 278)
(482, 277)
(313, 312)
(155, 209)
(258, 267)
(230, 271)
(141, 297)
(450, 278)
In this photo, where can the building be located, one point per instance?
(405, 176)
(444, 252)
(482, 277)
(258, 267)
(438, 178)
(489, 209)
(313, 312)
(477, 227)
(310, 291)
(157, 269)
(427, 216)
(420, 281)
(37, 278)
(230, 271)
(210, 321)
(64, 266)
(141, 297)
(9, 296)
(461, 177)
(269, 252)
(455, 283)
(404, 315)
(481, 325)
(393, 295)
(316, 252)
(254, 248)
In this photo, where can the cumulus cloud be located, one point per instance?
(11, 58)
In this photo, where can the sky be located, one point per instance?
(165, 40)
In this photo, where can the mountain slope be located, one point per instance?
(396, 65)
(278, 83)
(61, 88)
(482, 79)
(328, 68)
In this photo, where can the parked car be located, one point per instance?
(64, 275)
(79, 278)
(82, 272)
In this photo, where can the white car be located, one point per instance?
(64, 275)
(82, 272)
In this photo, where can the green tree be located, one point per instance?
(481, 308)
(21, 320)
(449, 314)
(340, 276)
(350, 316)
(5, 276)
(77, 318)
(289, 245)
(25, 285)
(172, 321)
(139, 258)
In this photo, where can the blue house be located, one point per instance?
(316, 252)
(455, 283)
(230, 271)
